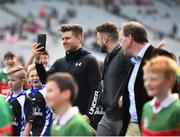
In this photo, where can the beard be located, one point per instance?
(103, 48)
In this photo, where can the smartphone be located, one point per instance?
(42, 39)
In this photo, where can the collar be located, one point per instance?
(34, 91)
(12, 97)
(140, 54)
(111, 54)
(76, 55)
(165, 103)
(61, 121)
(115, 50)
(5, 70)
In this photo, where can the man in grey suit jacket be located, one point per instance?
(134, 42)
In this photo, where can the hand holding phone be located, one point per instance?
(42, 39)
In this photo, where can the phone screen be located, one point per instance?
(42, 39)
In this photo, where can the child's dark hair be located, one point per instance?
(8, 55)
(45, 53)
(65, 81)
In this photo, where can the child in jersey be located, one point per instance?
(161, 115)
(61, 92)
(43, 115)
(10, 61)
(5, 118)
(21, 104)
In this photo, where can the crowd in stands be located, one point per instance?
(73, 97)
(134, 91)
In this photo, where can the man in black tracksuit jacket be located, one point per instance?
(116, 66)
(78, 62)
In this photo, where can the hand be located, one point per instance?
(86, 118)
(36, 52)
(27, 129)
(120, 102)
(161, 43)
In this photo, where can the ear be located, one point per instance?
(23, 81)
(130, 37)
(105, 39)
(67, 94)
(170, 81)
(80, 38)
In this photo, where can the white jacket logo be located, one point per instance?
(37, 111)
(78, 64)
(93, 105)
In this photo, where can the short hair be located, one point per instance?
(65, 81)
(8, 55)
(45, 53)
(109, 28)
(137, 30)
(76, 29)
(30, 68)
(20, 70)
(165, 65)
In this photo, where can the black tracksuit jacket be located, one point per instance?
(84, 67)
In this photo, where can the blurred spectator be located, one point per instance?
(53, 13)
(48, 24)
(115, 7)
(30, 14)
(13, 29)
(42, 12)
(70, 13)
(21, 28)
(173, 31)
(161, 35)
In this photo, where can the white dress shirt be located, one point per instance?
(137, 62)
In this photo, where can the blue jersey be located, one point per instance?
(43, 115)
(22, 112)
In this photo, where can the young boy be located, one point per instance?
(20, 103)
(45, 58)
(43, 115)
(9, 62)
(161, 115)
(61, 92)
